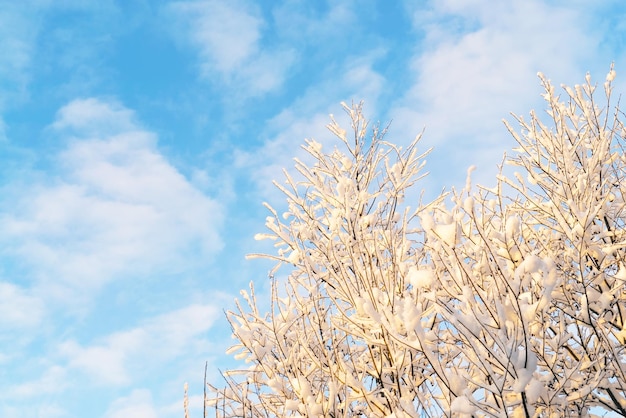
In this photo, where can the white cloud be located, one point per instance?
(227, 34)
(266, 71)
(299, 22)
(33, 410)
(228, 38)
(478, 62)
(482, 74)
(138, 404)
(18, 32)
(106, 363)
(143, 349)
(19, 29)
(19, 309)
(21, 23)
(91, 116)
(308, 116)
(174, 332)
(116, 207)
(52, 380)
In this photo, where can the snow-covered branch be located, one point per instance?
(488, 302)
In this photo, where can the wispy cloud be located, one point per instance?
(138, 404)
(142, 350)
(320, 25)
(52, 380)
(106, 363)
(93, 117)
(19, 309)
(106, 207)
(18, 32)
(17, 397)
(228, 38)
(308, 116)
(476, 63)
(123, 360)
(227, 34)
(74, 49)
(115, 207)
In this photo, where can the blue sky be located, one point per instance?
(139, 138)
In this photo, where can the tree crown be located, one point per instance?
(505, 302)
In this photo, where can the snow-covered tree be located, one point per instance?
(502, 302)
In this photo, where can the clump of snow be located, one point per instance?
(462, 405)
(420, 278)
(447, 232)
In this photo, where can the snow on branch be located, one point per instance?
(484, 304)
